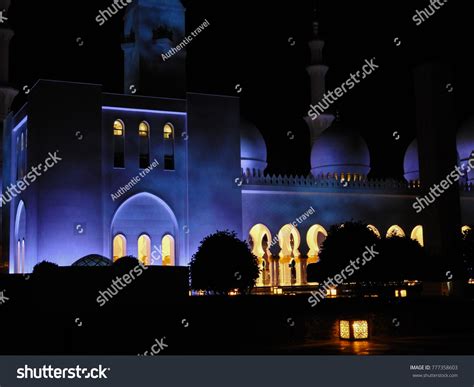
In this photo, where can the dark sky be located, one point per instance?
(247, 44)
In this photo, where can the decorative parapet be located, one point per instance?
(323, 182)
(330, 182)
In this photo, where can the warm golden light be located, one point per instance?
(143, 129)
(167, 250)
(395, 231)
(344, 330)
(119, 247)
(315, 238)
(144, 248)
(417, 234)
(118, 128)
(374, 230)
(168, 132)
(403, 293)
(331, 292)
(354, 329)
(361, 329)
(397, 293)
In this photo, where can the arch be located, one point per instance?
(168, 136)
(289, 239)
(417, 234)
(20, 236)
(119, 143)
(168, 131)
(144, 249)
(396, 231)
(144, 144)
(260, 240)
(167, 250)
(144, 213)
(257, 233)
(374, 230)
(315, 238)
(119, 247)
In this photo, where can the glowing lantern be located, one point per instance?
(353, 329)
(331, 292)
(401, 293)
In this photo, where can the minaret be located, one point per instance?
(153, 64)
(317, 73)
(7, 93)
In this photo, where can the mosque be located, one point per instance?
(105, 197)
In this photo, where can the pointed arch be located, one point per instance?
(374, 230)
(396, 231)
(315, 238)
(417, 234)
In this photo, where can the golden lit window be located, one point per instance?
(143, 129)
(118, 128)
(168, 132)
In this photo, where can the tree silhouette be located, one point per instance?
(223, 263)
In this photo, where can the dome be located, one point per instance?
(253, 151)
(411, 165)
(340, 150)
(93, 260)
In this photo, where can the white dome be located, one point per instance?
(340, 150)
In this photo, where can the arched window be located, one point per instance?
(119, 144)
(144, 249)
(167, 250)
(417, 234)
(395, 231)
(144, 140)
(168, 136)
(374, 230)
(119, 247)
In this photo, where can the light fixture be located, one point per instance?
(353, 329)
(400, 293)
(332, 292)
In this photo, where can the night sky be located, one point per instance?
(249, 45)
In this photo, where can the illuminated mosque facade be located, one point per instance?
(105, 198)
